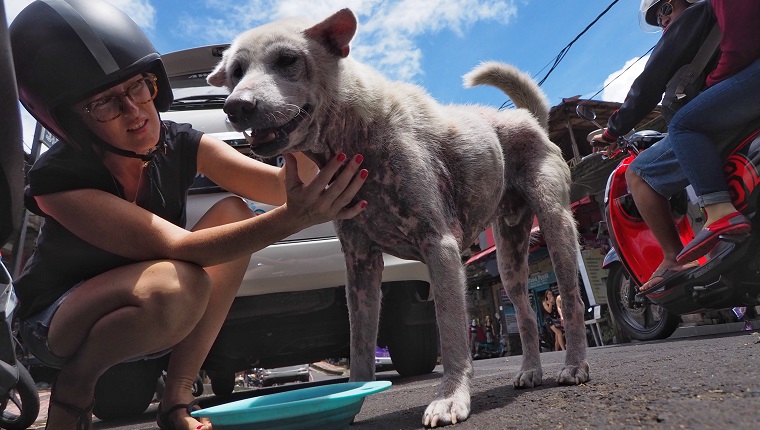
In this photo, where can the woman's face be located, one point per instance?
(549, 295)
(136, 128)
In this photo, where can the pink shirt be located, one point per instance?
(740, 46)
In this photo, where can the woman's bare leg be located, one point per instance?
(127, 312)
(188, 355)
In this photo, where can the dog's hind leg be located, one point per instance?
(512, 244)
(549, 199)
(364, 270)
(452, 403)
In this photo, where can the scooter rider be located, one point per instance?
(115, 275)
(685, 27)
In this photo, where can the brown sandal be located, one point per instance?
(82, 414)
(163, 420)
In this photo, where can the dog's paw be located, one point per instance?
(573, 375)
(446, 411)
(529, 378)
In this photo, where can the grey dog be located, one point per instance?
(438, 176)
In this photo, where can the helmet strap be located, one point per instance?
(146, 158)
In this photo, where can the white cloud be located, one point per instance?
(618, 83)
(142, 12)
(388, 28)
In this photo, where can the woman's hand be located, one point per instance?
(328, 196)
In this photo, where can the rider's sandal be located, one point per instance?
(82, 414)
(708, 237)
(163, 419)
(666, 275)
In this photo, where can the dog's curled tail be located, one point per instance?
(519, 86)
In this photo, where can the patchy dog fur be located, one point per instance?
(439, 175)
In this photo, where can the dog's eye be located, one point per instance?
(286, 60)
(237, 72)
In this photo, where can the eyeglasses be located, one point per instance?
(665, 10)
(109, 108)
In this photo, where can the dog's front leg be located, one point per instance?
(452, 402)
(363, 280)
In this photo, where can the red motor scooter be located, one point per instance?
(727, 277)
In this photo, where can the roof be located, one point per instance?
(569, 131)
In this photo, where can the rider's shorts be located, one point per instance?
(658, 167)
(34, 333)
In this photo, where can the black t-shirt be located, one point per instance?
(61, 259)
(676, 48)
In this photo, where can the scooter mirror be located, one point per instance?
(585, 112)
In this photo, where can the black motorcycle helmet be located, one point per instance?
(67, 50)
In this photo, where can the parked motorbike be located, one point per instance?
(490, 350)
(19, 400)
(727, 277)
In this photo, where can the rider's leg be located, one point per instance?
(701, 125)
(656, 212)
(654, 174)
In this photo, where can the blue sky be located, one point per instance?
(431, 42)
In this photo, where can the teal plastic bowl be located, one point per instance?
(324, 407)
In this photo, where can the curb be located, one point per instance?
(330, 369)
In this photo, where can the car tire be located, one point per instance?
(414, 349)
(126, 389)
(222, 383)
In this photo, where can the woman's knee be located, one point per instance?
(225, 211)
(179, 285)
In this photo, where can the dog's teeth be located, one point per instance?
(248, 137)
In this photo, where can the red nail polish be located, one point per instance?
(364, 173)
(359, 158)
(364, 204)
(341, 157)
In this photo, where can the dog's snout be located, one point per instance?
(239, 111)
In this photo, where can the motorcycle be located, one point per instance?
(729, 276)
(19, 400)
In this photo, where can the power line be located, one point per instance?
(623, 72)
(558, 59)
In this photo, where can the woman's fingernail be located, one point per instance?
(341, 157)
(364, 204)
(364, 173)
(359, 158)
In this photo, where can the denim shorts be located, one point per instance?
(659, 167)
(34, 333)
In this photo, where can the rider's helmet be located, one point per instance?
(648, 14)
(67, 50)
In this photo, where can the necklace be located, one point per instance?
(139, 180)
(120, 190)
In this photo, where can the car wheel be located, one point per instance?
(222, 383)
(408, 327)
(126, 389)
(414, 349)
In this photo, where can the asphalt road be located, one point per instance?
(691, 383)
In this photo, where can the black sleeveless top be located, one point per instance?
(60, 259)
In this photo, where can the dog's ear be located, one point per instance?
(335, 32)
(218, 77)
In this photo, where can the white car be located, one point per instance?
(291, 307)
